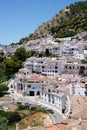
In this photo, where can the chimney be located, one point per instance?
(74, 127)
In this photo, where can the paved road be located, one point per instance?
(56, 117)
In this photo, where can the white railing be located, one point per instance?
(70, 107)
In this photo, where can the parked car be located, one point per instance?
(50, 111)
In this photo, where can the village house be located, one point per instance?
(52, 68)
(54, 95)
(78, 89)
(45, 66)
(49, 90)
(75, 68)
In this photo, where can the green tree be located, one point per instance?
(3, 123)
(31, 53)
(2, 58)
(7, 119)
(13, 117)
(11, 66)
(3, 88)
(84, 61)
(20, 54)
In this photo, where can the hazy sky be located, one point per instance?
(19, 18)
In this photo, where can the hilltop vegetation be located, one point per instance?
(68, 22)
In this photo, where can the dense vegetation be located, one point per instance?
(3, 88)
(1, 59)
(84, 61)
(7, 119)
(11, 65)
(76, 21)
(3, 77)
(64, 33)
(37, 109)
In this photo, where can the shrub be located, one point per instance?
(13, 117)
(20, 106)
(37, 109)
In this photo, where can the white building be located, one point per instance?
(45, 66)
(78, 89)
(75, 68)
(54, 96)
(52, 68)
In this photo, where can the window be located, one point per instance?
(53, 97)
(38, 92)
(49, 90)
(65, 67)
(82, 67)
(29, 86)
(49, 100)
(77, 67)
(18, 84)
(56, 67)
(69, 67)
(56, 71)
(21, 79)
(53, 101)
(24, 80)
(48, 96)
(42, 66)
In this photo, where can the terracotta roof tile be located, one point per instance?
(51, 128)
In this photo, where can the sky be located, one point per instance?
(19, 18)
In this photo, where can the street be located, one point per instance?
(56, 116)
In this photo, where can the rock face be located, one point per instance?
(72, 18)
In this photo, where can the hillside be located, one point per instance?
(68, 22)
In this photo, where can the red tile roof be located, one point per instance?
(61, 125)
(51, 128)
